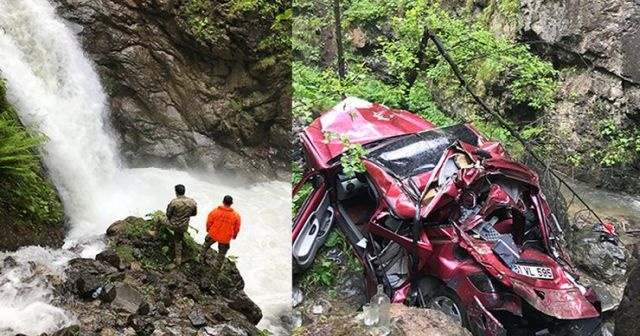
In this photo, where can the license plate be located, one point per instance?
(534, 271)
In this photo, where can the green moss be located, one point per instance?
(125, 253)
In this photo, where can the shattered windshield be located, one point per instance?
(420, 152)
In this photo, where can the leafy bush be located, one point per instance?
(623, 145)
(195, 15)
(482, 58)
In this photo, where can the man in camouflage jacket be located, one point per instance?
(178, 212)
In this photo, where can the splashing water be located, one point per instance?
(56, 90)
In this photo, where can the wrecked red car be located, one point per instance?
(444, 219)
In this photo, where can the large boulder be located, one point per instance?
(603, 261)
(628, 313)
(127, 299)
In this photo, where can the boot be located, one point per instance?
(219, 262)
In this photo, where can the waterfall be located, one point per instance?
(57, 92)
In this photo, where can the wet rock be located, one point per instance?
(298, 319)
(197, 318)
(297, 296)
(10, 262)
(240, 302)
(628, 313)
(127, 299)
(597, 39)
(602, 260)
(110, 257)
(608, 329)
(192, 291)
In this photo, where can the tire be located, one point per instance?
(447, 301)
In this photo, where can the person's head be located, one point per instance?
(227, 200)
(179, 189)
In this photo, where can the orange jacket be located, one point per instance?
(223, 223)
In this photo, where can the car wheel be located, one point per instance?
(447, 301)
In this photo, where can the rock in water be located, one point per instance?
(628, 313)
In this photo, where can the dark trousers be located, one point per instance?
(177, 236)
(222, 250)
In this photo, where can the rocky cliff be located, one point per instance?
(201, 84)
(594, 45)
(129, 290)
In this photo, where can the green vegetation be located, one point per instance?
(415, 77)
(509, 10)
(351, 154)
(159, 258)
(24, 191)
(203, 20)
(196, 20)
(622, 145)
(324, 271)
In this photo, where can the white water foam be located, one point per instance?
(57, 91)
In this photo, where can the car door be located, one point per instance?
(312, 219)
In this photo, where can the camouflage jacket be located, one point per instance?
(179, 210)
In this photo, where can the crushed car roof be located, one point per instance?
(362, 122)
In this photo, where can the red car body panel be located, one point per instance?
(438, 244)
(360, 124)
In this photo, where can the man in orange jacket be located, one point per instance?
(223, 224)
